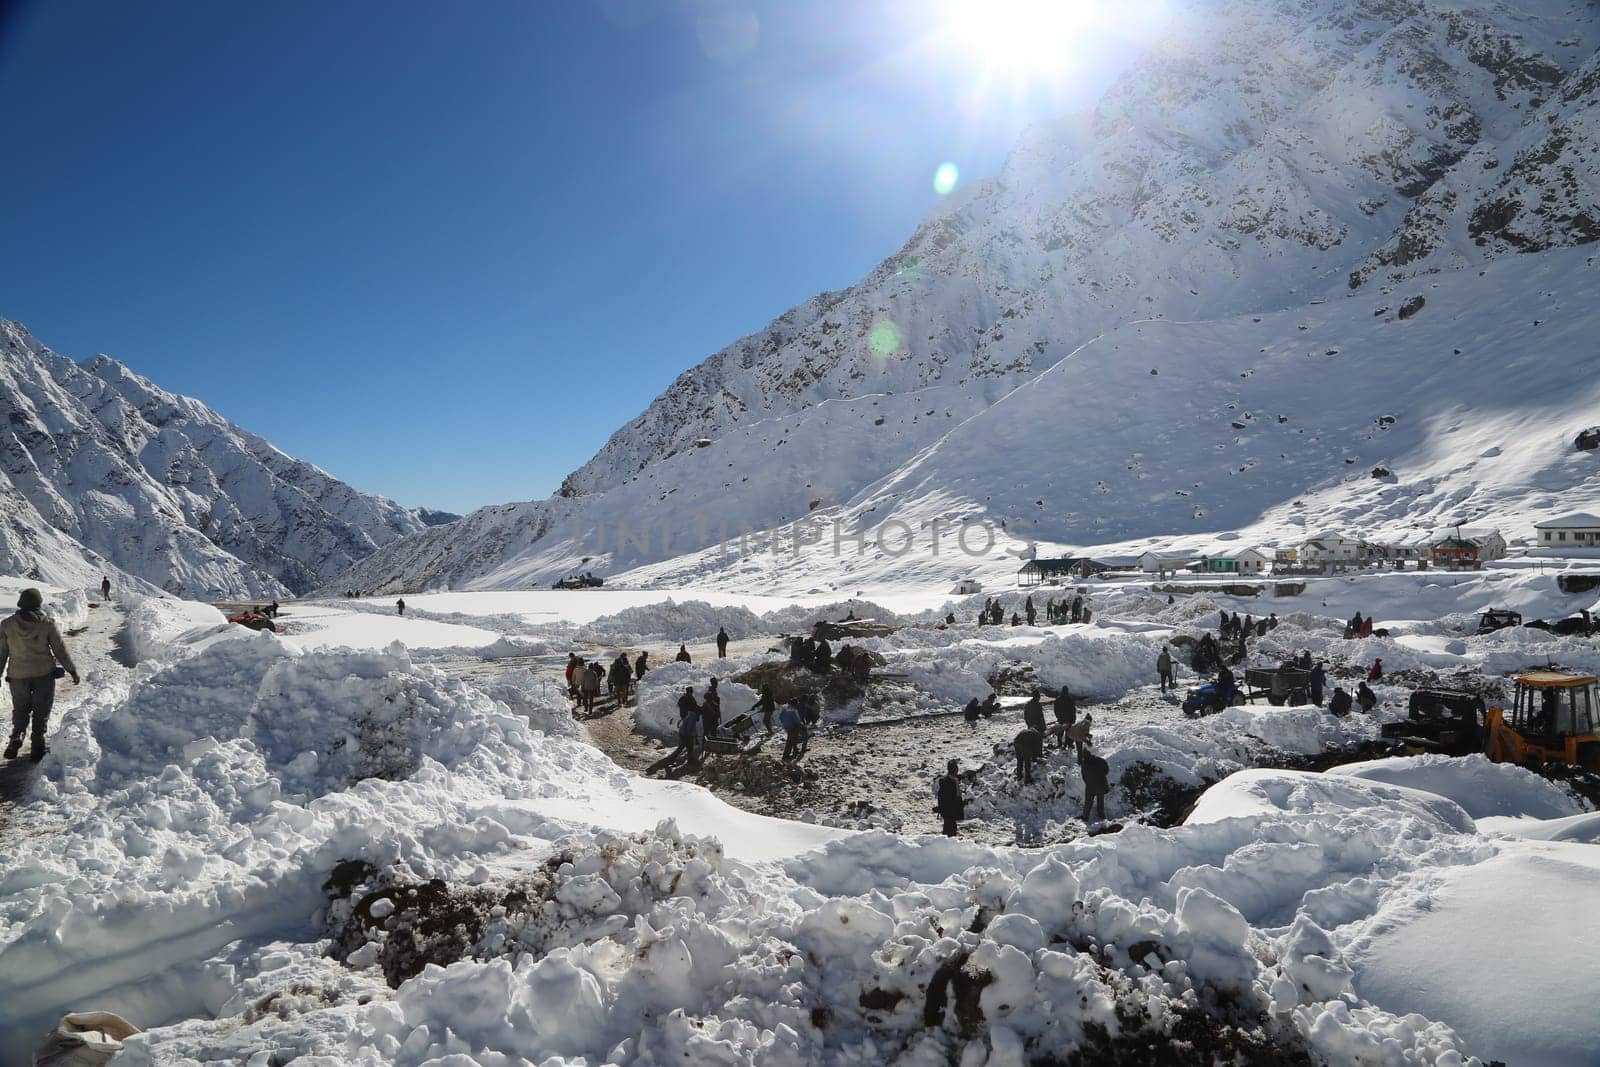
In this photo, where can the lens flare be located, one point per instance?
(883, 339)
(944, 178)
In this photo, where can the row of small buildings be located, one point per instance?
(1454, 548)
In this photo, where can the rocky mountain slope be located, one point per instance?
(1266, 156)
(101, 470)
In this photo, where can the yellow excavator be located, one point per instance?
(1555, 718)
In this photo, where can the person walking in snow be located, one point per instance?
(1029, 746)
(105, 589)
(794, 732)
(722, 643)
(1366, 698)
(1164, 669)
(767, 705)
(690, 720)
(32, 649)
(971, 712)
(1096, 783)
(1027, 609)
(1079, 734)
(1033, 713)
(593, 673)
(621, 677)
(400, 606)
(683, 654)
(574, 680)
(1376, 673)
(948, 802)
(1066, 713)
(711, 710)
(641, 664)
(1319, 679)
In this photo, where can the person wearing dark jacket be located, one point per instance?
(1366, 697)
(1225, 681)
(1077, 608)
(822, 658)
(683, 654)
(1340, 704)
(972, 710)
(400, 605)
(990, 705)
(711, 710)
(105, 589)
(1029, 746)
(641, 663)
(767, 705)
(620, 677)
(1033, 713)
(1319, 680)
(722, 643)
(949, 804)
(1066, 713)
(31, 654)
(1096, 783)
(1027, 609)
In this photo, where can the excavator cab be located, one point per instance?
(1554, 718)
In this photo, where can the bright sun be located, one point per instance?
(1026, 38)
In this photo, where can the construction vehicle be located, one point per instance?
(1497, 619)
(1554, 718)
(1445, 721)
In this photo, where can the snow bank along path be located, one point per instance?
(202, 885)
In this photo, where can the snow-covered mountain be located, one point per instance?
(1316, 164)
(101, 470)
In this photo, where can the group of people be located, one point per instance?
(1056, 612)
(817, 654)
(1063, 612)
(584, 679)
(1358, 627)
(1249, 625)
(1029, 747)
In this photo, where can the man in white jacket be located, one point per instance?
(31, 647)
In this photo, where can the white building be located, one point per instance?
(1162, 563)
(1332, 547)
(1579, 530)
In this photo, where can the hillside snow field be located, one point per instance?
(1361, 231)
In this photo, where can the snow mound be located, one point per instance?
(1302, 794)
(1482, 788)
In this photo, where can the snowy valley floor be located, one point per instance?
(328, 848)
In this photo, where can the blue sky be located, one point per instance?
(444, 250)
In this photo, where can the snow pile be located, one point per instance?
(658, 693)
(350, 855)
(1483, 789)
(950, 667)
(68, 607)
(683, 621)
(156, 624)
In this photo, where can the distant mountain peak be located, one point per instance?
(102, 469)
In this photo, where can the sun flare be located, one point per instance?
(1025, 37)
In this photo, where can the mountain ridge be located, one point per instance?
(104, 471)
